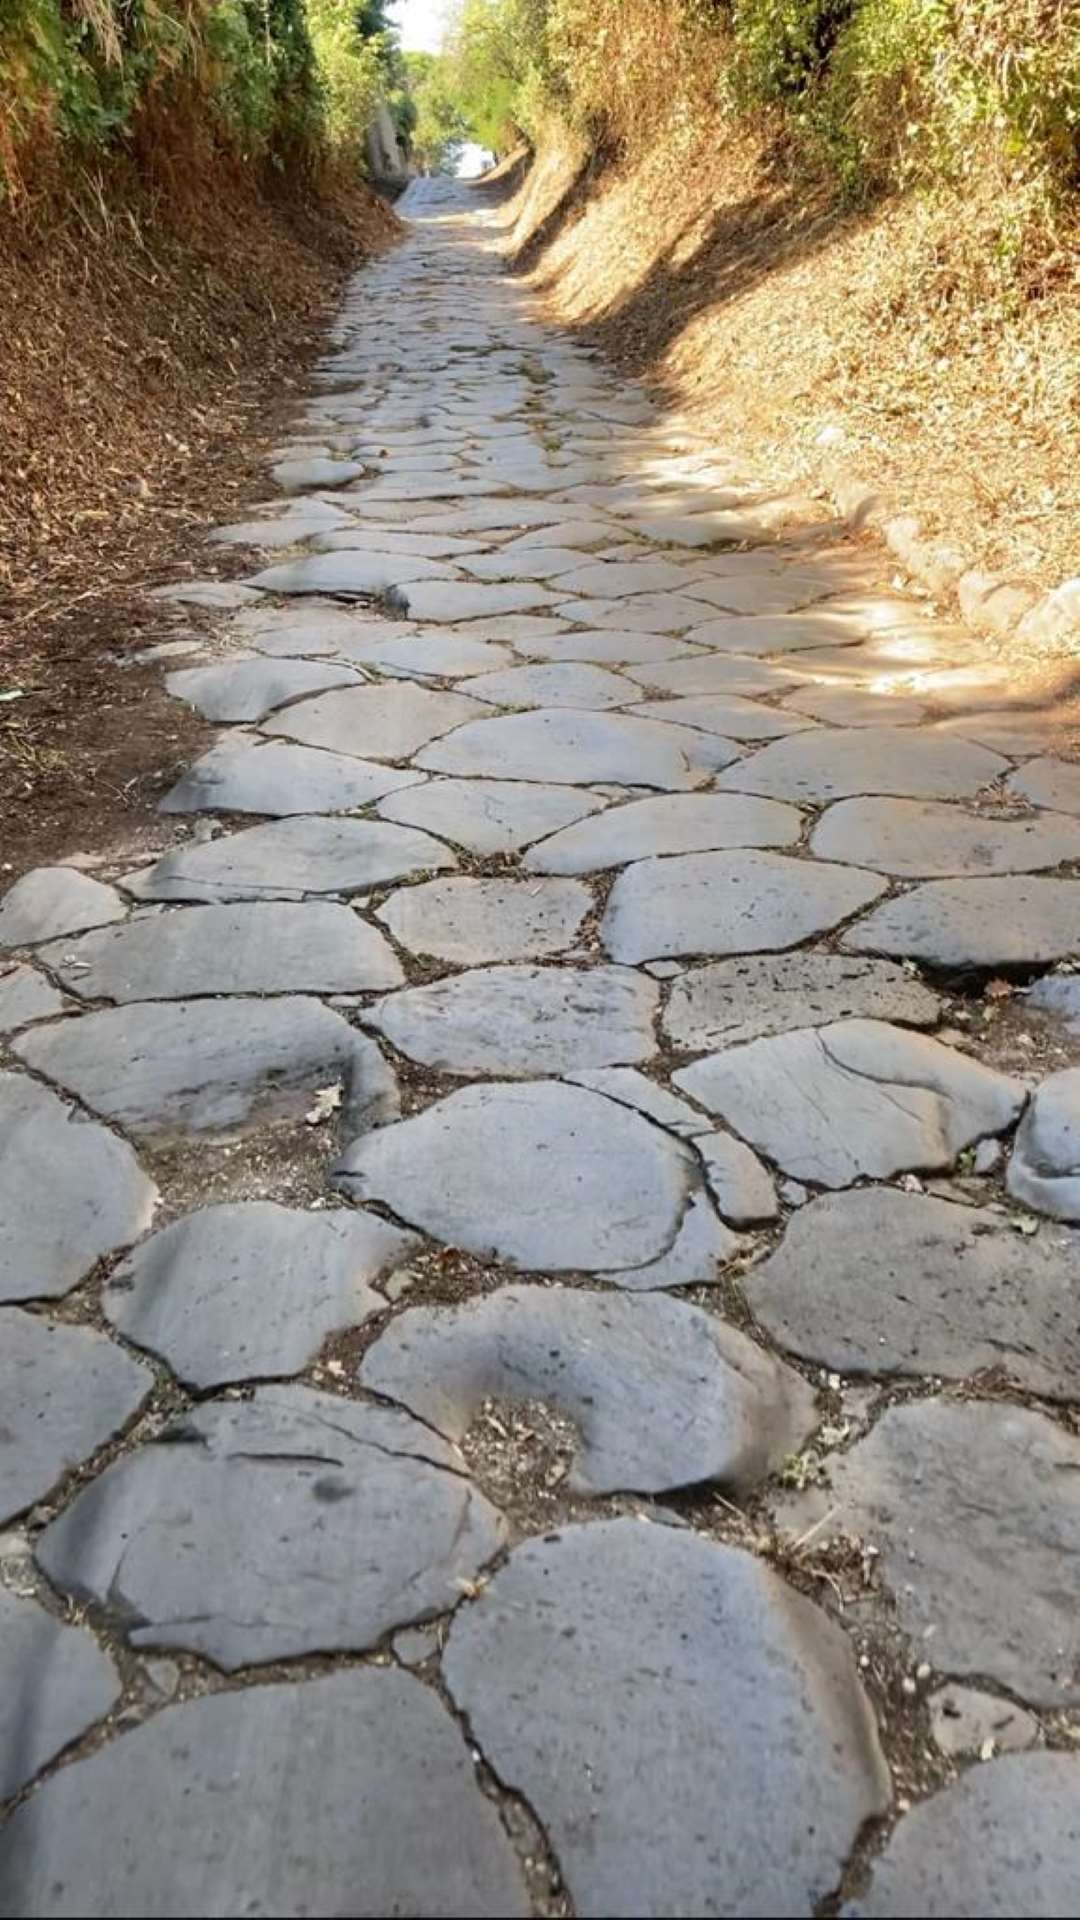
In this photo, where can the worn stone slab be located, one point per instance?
(740, 1184)
(879, 1281)
(724, 714)
(50, 901)
(54, 1683)
(234, 690)
(543, 1176)
(288, 859)
(728, 903)
(351, 571)
(26, 996)
(614, 579)
(963, 1720)
(514, 562)
(650, 1663)
(286, 530)
(608, 648)
(744, 999)
(65, 1390)
(670, 613)
(70, 1192)
(1019, 921)
(468, 922)
(660, 1394)
(490, 816)
(431, 653)
(1044, 1170)
(212, 1066)
(812, 768)
(523, 1020)
(781, 633)
(278, 1798)
(450, 600)
(386, 722)
(1058, 994)
(275, 778)
(702, 1248)
(1050, 783)
(250, 1291)
(673, 823)
(297, 476)
(379, 539)
(558, 684)
(581, 749)
(222, 596)
(917, 838)
(949, 1489)
(855, 1099)
(226, 1536)
(705, 675)
(259, 947)
(322, 628)
(844, 706)
(635, 1089)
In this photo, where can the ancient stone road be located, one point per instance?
(539, 1352)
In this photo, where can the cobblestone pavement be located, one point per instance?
(540, 1346)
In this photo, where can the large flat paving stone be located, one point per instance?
(636, 1090)
(452, 600)
(318, 629)
(581, 749)
(212, 1066)
(858, 1098)
(975, 1508)
(605, 648)
(51, 901)
(614, 1673)
(669, 613)
(731, 1001)
(660, 1394)
(428, 652)
(65, 1390)
(763, 632)
(669, 823)
(297, 476)
(856, 706)
(268, 946)
(879, 1281)
(812, 768)
(740, 1184)
(614, 579)
(353, 571)
(545, 1177)
(249, 689)
(921, 838)
(26, 996)
(70, 1191)
(702, 1248)
(289, 1799)
(724, 714)
(274, 777)
(294, 1522)
(1044, 1171)
(1003, 1841)
(1050, 783)
(728, 903)
(468, 922)
(523, 1020)
(287, 859)
(556, 684)
(490, 816)
(251, 1290)
(54, 1683)
(1016, 921)
(387, 722)
(713, 673)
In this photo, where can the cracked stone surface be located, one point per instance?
(738, 1181)
(916, 838)
(523, 1020)
(1044, 1171)
(725, 714)
(560, 684)
(1021, 921)
(469, 922)
(26, 996)
(661, 1395)
(287, 859)
(353, 571)
(279, 1797)
(49, 1428)
(812, 768)
(54, 1683)
(728, 903)
(636, 1090)
(249, 689)
(458, 600)
(227, 1536)
(50, 901)
(1050, 783)
(582, 749)
(490, 816)
(250, 1291)
(276, 778)
(102, 1202)
(377, 723)
(650, 1663)
(747, 998)
(858, 1098)
(671, 823)
(702, 1248)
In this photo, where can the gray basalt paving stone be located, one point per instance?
(468, 922)
(975, 1508)
(725, 714)
(50, 901)
(26, 996)
(523, 1020)
(546, 1177)
(490, 816)
(235, 690)
(702, 1248)
(54, 1683)
(834, 765)
(212, 1066)
(1014, 921)
(275, 778)
(1002, 1842)
(613, 580)
(744, 999)
(962, 1720)
(279, 1799)
(251, 1290)
(879, 1281)
(650, 1663)
(70, 1192)
(604, 649)
(844, 706)
(307, 519)
(522, 631)
(296, 476)
(321, 629)
(428, 652)
(1050, 783)
(859, 1098)
(578, 748)
(263, 947)
(763, 595)
(661, 1395)
(294, 1522)
(740, 1184)
(917, 838)
(218, 595)
(783, 633)
(353, 571)
(1058, 994)
(514, 562)
(647, 1096)
(707, 674)
(65, 1390)
(671, 823)
(669, 613)
(451, 600)
(728, 903)
(379, 723)
(1044, 1171)
(287, 859)
(557, 684)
